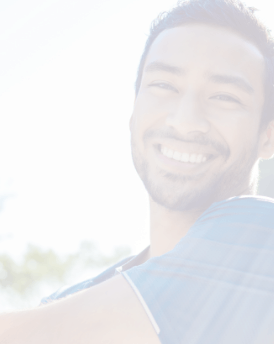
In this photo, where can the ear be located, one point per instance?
(266, 149)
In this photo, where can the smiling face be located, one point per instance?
(195, 124)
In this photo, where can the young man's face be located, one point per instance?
(195, 124)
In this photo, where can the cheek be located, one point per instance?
(239, 130)
(151, 109)
(145, 114)
(228, 131)
(237, 141)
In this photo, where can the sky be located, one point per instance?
(67, 76)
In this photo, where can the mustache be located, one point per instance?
(196, 138)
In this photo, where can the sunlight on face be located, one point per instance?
(196, 117)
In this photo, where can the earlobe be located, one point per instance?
(269, 130)
(267, 142)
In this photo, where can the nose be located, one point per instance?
(188, 115)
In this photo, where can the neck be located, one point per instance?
(167, 227)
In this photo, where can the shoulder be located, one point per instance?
(120, 316)
(68, 290)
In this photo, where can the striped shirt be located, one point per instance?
(216, 286)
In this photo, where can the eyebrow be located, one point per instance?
(239, 82)
(159, 66)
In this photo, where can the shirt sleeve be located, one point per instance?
(217, 285)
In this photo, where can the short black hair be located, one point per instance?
(231, 14)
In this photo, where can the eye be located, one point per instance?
(163, 86)
(226, 98)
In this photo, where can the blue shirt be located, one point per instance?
(217, 285)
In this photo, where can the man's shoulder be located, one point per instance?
(68, 290)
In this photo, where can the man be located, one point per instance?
(203, 117)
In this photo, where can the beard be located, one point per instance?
(179, 192)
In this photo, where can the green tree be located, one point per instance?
(20, 282)
(40, 272)
(47, 266)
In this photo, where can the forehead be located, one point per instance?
(200, 48)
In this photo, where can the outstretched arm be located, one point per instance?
(107, 313)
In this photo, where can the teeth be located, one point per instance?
(184, 157)
(177, 156)
(199, 158)
(192, 158)
(169, 153)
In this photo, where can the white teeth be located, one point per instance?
(192, 158)
(199, 158)
(170, 153)
(177, 156)
(184, 157)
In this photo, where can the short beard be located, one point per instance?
(239, 178)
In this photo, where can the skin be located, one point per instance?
(185, 104)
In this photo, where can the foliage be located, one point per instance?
(90, 256)
(45, 266)
(21, 281)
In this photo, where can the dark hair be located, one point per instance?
(231, 14)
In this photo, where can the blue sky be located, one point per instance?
(66, 95)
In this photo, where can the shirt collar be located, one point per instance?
(141, 258)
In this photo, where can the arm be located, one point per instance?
(107, 313)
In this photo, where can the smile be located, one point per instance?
(193, 158)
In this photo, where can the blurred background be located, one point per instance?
(71, 202)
